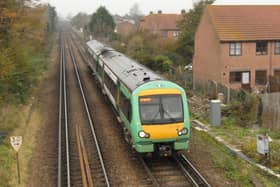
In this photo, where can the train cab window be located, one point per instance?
(161, 109)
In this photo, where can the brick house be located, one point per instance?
(125, 28)
(238, 46)
(163, 24)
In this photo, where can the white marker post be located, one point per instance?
(16, 142)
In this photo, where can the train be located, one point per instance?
(152, 110)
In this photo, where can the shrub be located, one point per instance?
(247, 105)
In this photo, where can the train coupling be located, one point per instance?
(164, 150)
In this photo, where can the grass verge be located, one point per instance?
(233, 167)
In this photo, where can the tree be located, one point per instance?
(80, 20)
(188, 26)
(134, 10)
(135, 13)
(23, 30)
(52, 19)
(102, 24)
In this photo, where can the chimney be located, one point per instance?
(159, 12)
(183, 11)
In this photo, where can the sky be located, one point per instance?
(67, 8)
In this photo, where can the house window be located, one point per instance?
(176, 34)
(242, 77)
(277, 48)
(261, 78)
(261, 48)
(277, 73)
(235, 77)
(164, 33)
(235, 49)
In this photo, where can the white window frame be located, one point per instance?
(235, 49)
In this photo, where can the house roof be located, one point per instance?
(161, 21)
(246, 22)
(125, 27)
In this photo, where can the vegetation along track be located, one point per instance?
(173, 171)
(80, 161)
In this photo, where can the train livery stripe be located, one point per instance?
(159, 92)
(165, 131)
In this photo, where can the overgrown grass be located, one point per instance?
(245, 139)
(235, 168)
(13, 108)
(6, 162)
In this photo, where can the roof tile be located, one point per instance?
(161, 21)
(246, 22)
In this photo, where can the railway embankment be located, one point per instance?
(235, 161)
(27, 120)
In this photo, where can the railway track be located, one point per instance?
(63, 178)
(77, 141)
(173, 171)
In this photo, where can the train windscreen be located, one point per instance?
(161, 109)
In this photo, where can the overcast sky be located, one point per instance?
(121, 7)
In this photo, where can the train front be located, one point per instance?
(162, 118)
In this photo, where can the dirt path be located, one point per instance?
(43, 163)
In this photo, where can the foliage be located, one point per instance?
(188, 26)
(148, 49)
(6, 161)
(162, 63)
(52, 19)
(247, 105)
(24, 32)
(80, 20)
(102, 24)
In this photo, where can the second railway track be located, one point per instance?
(80, 161)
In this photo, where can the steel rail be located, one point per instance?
(63, 120)
(59, 121)
(190, 171)
(149, 172)
(90, 120)
(66, 125)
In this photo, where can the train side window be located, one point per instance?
(111, 85)
(125, 106)
(129, 112)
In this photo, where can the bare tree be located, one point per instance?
(135, 13)
(134, 10)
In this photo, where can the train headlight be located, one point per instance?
(183, 131)
(143, 134)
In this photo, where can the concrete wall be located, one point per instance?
(271, 110)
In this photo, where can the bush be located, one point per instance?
(247, 105)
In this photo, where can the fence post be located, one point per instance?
(228, 95)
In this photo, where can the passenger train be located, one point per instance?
(153, 111)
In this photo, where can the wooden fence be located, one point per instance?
(271, 110)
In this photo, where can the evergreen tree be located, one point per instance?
(102, 23)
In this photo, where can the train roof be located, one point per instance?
(130, 72)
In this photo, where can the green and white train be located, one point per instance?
(153, 111)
